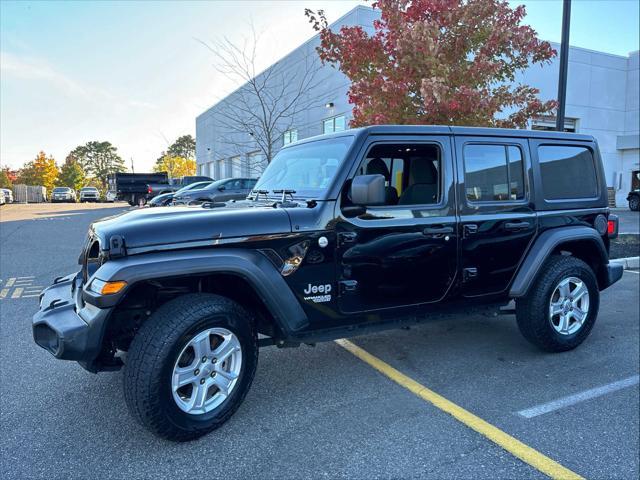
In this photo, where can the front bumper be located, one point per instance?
(66, 326)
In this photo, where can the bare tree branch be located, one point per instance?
(255, 117)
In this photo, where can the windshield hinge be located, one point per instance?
(116, 246)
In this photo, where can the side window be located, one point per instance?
(493, 173)
(412, 172)
(567, 172)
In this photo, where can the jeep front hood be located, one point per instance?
(177, 227)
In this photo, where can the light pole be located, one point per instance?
(564, 64)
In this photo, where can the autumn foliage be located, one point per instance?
(438, 62)
(175, 166)
(40, 171)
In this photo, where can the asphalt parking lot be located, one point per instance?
(322, 412)
(629, 221)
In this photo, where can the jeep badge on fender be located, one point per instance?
(350, 232)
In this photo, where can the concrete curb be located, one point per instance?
(629, 263)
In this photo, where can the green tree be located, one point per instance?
(40, 171)
(98, 159)
(5, 181)
(71, 174)
(184, 146)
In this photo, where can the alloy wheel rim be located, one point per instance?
(206, 371)
(569, 306)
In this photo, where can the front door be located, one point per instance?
(403, 253)
(498, 222)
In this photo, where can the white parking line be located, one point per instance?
(578, 397)
(633, 271)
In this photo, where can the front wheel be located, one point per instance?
(561, 307)
(190, 366)
(634, 203)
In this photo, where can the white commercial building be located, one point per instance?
(602, 100)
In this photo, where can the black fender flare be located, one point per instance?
(544, 245)
(250, 265)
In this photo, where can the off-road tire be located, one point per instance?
(155, 349)
(634, 203)
(532, 311)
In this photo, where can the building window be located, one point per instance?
(548, 123)
(255, 164)
(493, 173)
(230, 169)
(290, 136)
(236, 167)
(219, 168)
(335, 124)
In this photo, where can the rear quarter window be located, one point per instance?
(567, 171)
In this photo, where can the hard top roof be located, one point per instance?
(447, 130)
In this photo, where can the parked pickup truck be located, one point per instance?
(343, 234)
(138, 188)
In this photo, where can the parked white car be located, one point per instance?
(89, 194)
(7, 194)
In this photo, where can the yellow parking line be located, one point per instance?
(10, 282)
(17, 292)
(512, 445)
(4, 292)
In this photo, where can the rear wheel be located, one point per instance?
(634, 203)
(562, 305)
(190, 366)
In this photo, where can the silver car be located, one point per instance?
(89, 194)
(63, 194)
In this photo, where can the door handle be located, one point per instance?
(516, 226)
(437, 230)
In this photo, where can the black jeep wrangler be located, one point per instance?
(344, 234)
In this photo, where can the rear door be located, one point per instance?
(497, 218)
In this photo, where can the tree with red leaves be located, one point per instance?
(438, 62)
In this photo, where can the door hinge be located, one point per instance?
(469, 274)
(346, 238)
(348, 286)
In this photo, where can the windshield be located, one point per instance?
(61, 189)
(89, 189)
(193, 186)
(308, 168)
(216, 184)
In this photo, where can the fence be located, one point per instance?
(29, 194)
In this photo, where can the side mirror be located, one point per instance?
(221, 188)
(368, 190)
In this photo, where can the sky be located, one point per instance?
(137, 73)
